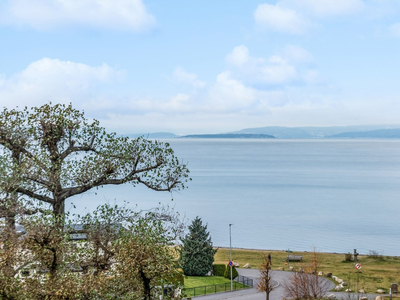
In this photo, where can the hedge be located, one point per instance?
(219, 270)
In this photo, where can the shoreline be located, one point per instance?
(297, 251)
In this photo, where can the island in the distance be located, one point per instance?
(229, 136)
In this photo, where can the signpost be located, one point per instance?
(230, 260)
(358, 267)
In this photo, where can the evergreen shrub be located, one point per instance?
(219, 270)
(179, 278)
(228, 272)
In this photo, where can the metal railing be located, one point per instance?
(244, 280)
(240, 282)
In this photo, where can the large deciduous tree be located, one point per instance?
(197, 252)
(52, 152)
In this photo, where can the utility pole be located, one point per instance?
(230, 250)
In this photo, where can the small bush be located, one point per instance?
(180, 277)
(348, 257)
(228, 272)
(375, 255)
(219, 270)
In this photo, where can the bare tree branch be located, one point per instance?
(31, 194)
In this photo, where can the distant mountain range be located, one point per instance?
(369, 131)
(380, 133)
(361, 131)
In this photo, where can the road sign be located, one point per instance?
(358, 266)
(231, 264)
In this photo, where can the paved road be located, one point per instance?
(278, 293)
(252, 294)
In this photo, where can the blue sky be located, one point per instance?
(205, 66)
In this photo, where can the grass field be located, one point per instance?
(376, 273)
(196, 281)
(203, 285)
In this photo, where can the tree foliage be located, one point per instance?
(52, 152)
(145, 260)
(197, 252)
(126, 255)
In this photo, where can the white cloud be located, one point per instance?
(274, 99)
(226, 96)
(327, 7)
(179, 100)
(296, 16)
(227, 100)
(180, 75)
(297, 54)
(54, 80)
(45, 14)
(230, 105)
(394, 30)
(275, 70)
(311, 77)
(230, 94)
(180, 103)
(279, 19)
(239, 56)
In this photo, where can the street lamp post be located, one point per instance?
(230, 250)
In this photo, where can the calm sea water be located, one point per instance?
(335, 195)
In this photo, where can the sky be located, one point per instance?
(204, 66)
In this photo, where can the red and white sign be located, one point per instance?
(358, 266)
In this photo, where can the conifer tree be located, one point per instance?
(197, 252)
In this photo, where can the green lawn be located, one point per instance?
(196, 281)
(203, 285)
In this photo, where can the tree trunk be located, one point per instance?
(59, 215)
(59, 207)
(9, 240)
(10, 222)
(146, 286)
(59, 211)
